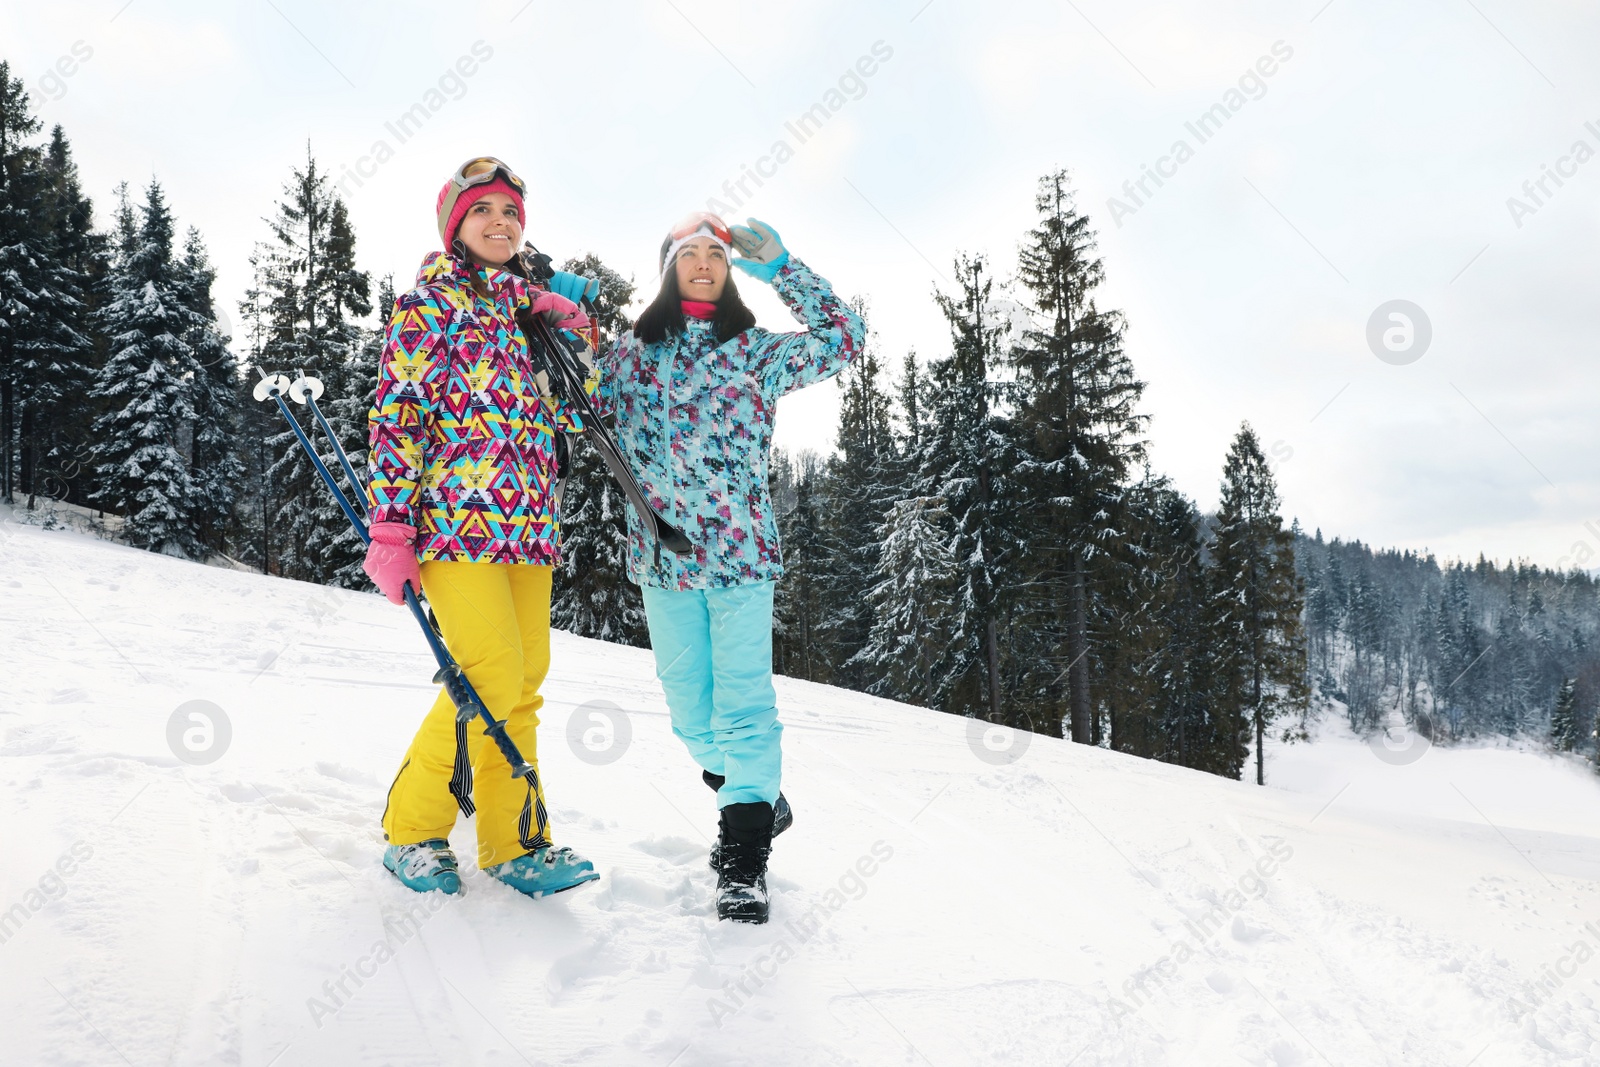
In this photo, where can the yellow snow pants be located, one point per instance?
(495, 618)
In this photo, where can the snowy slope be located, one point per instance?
(1073, 906)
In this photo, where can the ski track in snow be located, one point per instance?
(1022, 917)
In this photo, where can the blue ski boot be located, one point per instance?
(425, 866)
(548, 870)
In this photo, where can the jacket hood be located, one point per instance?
(441, 269)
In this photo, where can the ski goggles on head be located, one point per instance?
(480, 170)
(692, 224)
(699, 224)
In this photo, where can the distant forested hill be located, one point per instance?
(1476, 648)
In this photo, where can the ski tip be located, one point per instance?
(673, 538)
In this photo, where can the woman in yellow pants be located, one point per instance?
(462, 502)
(495, 618)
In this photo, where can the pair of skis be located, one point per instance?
(560, 359)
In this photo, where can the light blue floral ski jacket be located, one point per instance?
(694, 419)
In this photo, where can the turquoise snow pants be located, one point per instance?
(713, 651)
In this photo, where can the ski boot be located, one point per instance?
(742, 877)
(425, 866)
(782, 816)
(545, 871)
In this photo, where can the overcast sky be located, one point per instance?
(1357, 153)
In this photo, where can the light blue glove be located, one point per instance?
(575, 287)
(761, 248)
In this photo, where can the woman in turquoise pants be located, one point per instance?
(693, 387)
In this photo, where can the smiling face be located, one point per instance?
(702, 269)
(492, 230)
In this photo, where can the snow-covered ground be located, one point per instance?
(934, 904)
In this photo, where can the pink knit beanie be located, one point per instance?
(469, 196)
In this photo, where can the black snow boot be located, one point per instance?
(742, 877)
(782, 816)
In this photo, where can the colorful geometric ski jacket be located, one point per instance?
(695, 422)
(462, 445)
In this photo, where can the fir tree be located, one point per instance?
(56, 363)
(912, 402)
(592, 596)
(1078, 436)
(142, 466)
(44, 351)
(1564, 717)
(214, 391)
(1258, 601)
(960, 459)
(19, 256)
(860, 480)
(301, 305)
(1463, 646)
(781, 488)
(799, 609)
(1160, 672)
(912, 602)
(385, 307)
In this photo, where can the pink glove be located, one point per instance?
(559, 312)
(392, 560)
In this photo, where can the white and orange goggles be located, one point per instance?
(699, 224)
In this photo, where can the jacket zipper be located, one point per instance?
(664, 371)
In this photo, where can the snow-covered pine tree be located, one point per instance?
(1511, 673)
(961, 459)
(347, 405)
(56, 364)
(1158, 662)
(798, 608)
(18, 239)
(1463, 646)
(214, 390)
(1322, 618)
(1362, 678)
(780, 486)
(911, 399)
(1258, 602)
(780, 481)
(44, 348)
(861, 485)
(592, 596)
(912, 602)
(355, 403)
(384, 309)
(1564, 717)
(304, 295)
(140, 440)
(350, 373)
(1078, 439)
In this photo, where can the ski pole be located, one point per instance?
(274, 386)
(450, 675)
(305, 390)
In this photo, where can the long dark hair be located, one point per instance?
(664, 317)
